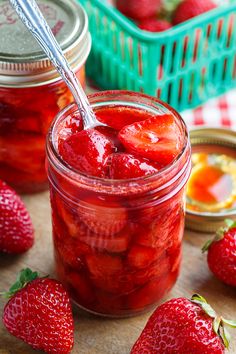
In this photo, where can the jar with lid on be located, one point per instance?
(31, 90)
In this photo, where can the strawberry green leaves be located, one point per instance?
(25, 276)
(218, 322)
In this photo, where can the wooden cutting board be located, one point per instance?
(94, 335)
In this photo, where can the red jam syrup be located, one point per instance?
(118, 254)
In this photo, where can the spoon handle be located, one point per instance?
(31, 16)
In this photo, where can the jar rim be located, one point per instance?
(113, 184)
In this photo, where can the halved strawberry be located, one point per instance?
(71, 252)
(141, 257)
(118, 117)
(158, 138)
(102, 218)
(146, 295)
(117, 243)
(70, 217)
(81, 287)
(124, 166)
(103, 265)
(108, 303)
(87, 151)
(161, 267)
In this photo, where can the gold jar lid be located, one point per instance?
(22, 61)
(211, 190)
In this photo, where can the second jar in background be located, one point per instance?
(32, 92)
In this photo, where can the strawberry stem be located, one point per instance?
(206, 246)
(218, 322)
(219, 234)
(230, 223)
(24, 277)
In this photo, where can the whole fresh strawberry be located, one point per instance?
(39, 313)
(221, 255)
(138, 9)
(154, 25)
(16, 229)
(182, 326)
(192, 8)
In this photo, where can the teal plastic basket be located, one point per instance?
(184, 66)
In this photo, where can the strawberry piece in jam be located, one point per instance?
(102, 218)
(87, 151)
(157, 138)
(125, 166)
(121, 116)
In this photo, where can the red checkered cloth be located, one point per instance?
(218, 112)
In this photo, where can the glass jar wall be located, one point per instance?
(117, 242)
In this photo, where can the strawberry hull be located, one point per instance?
(118, 242)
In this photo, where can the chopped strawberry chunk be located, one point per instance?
(118, 117)
(157, 138)
(124, 166)
(81, 287)
(103, 265)
(87, 151)
(141, 257)
(102, 218)
(151, 292)
(117, 243)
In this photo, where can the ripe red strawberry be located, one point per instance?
(191, 8)
(124, 166)
(87, 151)
(184, 326)
(138, 9)
(154, 25)
(221, 256)
(157, 138)
(16, 229)
(39, 313)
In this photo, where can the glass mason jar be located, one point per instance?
(117, 243)
(32, 92)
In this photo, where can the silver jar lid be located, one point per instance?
(213, 141)
(22, 61)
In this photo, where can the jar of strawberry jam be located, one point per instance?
(31, 91)
(117, 198)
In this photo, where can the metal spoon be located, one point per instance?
(34, 20)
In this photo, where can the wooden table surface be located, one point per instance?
(95, 335)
